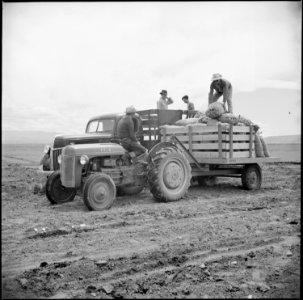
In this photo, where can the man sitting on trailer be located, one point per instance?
(126, 133)
(190, 106)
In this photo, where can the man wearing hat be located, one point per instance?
(222, 87)
(164, 101)
(190, 106)
(126, 133)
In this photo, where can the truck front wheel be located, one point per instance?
(56, 193)
(252, 177)
(99, 192)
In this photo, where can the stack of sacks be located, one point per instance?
(215, 110)
(260, 146)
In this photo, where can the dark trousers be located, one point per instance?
(132, 146)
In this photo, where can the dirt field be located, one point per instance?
(217, 242)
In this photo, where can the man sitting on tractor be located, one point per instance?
(127, 136)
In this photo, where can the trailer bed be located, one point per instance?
(217, 144)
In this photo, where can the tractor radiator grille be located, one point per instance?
(68, 171)
(56, 153)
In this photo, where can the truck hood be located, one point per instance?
(107, 149)
(85, 138)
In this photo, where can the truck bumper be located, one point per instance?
(39, 186)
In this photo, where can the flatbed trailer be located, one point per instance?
(220, 150)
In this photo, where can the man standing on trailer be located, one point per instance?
(221, 87)
(164, 101)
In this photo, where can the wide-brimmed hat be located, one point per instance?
(216, 76)
(130, 110)
(163, 92)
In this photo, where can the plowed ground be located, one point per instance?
(217, 242)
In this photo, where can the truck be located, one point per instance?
(98, 167)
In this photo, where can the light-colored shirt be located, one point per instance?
(163, 103)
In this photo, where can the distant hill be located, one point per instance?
(40, 137)
(283, 139)
(27, 137)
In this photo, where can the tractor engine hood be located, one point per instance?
(61, 141)
(108, 149)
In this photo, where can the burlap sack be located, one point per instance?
(215, 110)
(258, 146)
(228, 118)
(195, 125)
(265, 149)
(244, 120)
(186, 121)
(203, 119)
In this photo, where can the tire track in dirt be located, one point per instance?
(142, 268)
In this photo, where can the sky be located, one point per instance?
(64, 62)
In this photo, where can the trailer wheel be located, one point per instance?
(99, 192)
(252, 177)
(169, 175)
(207, 180)
(55, 192)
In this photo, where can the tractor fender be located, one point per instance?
(158, 147)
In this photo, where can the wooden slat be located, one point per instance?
(211, 137)
(163, 138)
(231, 138)
(200, 156)
(250, 140)
(220, 140)
(216, 146)
(207, 129)
(190, 142)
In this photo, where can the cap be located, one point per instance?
(130, 110)
(216, 76)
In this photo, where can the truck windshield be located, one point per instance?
(106, 125)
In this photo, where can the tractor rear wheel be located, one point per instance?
(252, 177)
(99, 192)
(56, 193)
(169, 174)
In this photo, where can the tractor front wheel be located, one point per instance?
(99, 192)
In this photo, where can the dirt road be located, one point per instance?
(217, 242)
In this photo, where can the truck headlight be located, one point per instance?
(84, 159)
(46, 149)
(59, 159)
